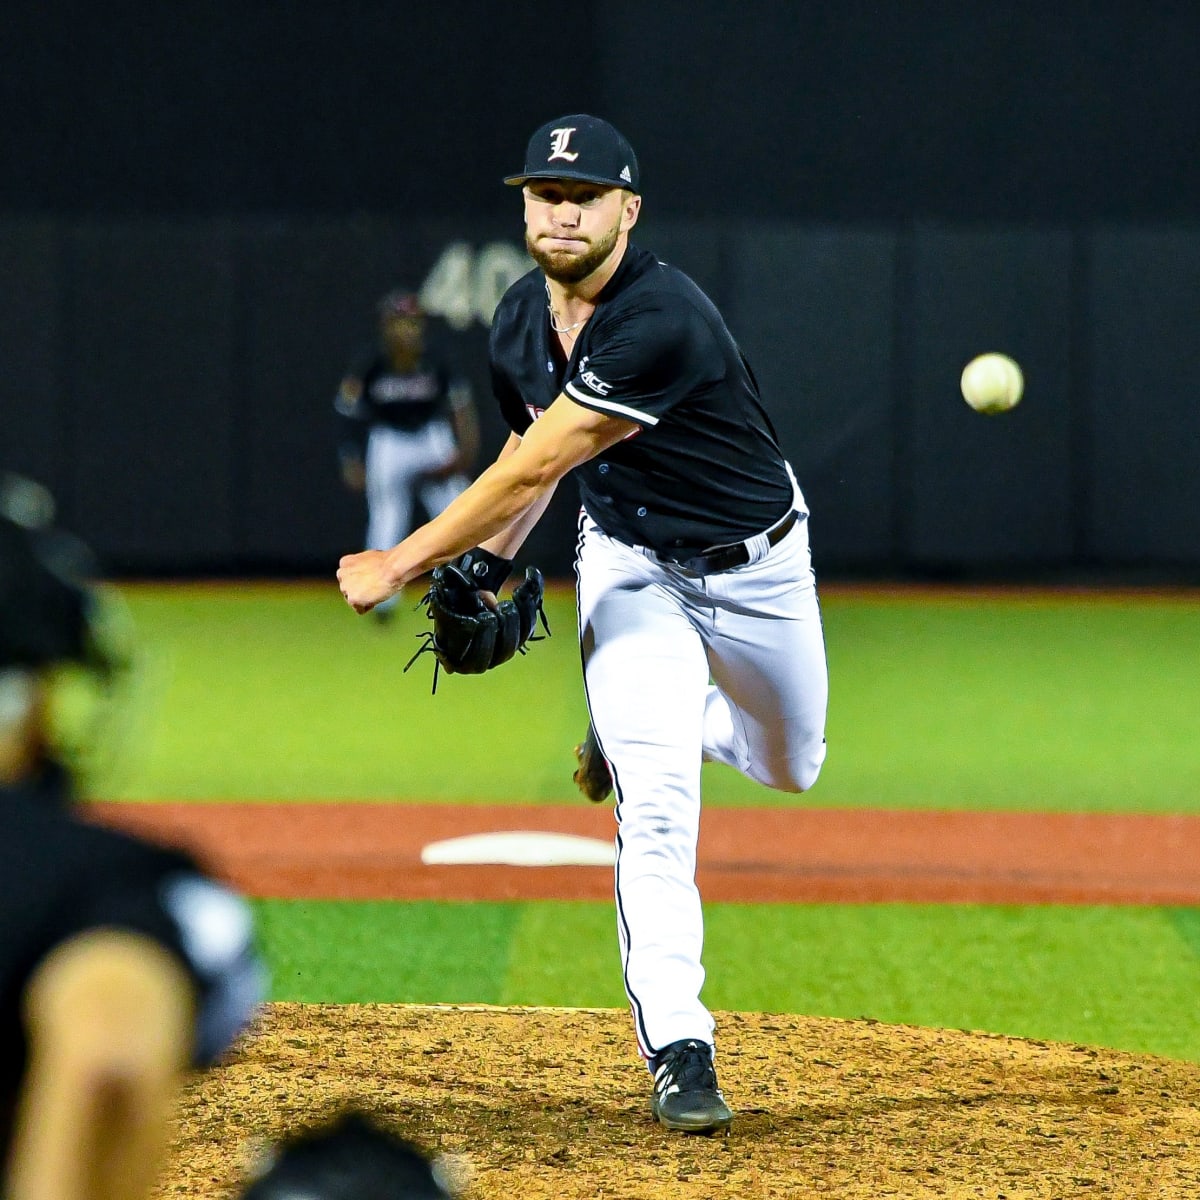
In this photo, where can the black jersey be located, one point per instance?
(705, 467)
(60, 876)
(404, 400)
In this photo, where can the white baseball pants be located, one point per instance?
(395, 464)
(681, 668)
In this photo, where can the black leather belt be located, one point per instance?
(737, 554)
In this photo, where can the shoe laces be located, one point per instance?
(687, 1068)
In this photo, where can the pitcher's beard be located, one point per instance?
(564, 267)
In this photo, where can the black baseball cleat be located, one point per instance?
(686, 1096)
(592, 776)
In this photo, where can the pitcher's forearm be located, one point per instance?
(496, 500)
(509, 542)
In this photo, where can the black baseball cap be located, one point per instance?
(580, 147)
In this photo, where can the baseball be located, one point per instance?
(992, 383)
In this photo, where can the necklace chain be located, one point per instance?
(554, 317)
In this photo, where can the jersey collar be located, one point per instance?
(630, 267)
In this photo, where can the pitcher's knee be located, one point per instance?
(797, 773)
(805, 774)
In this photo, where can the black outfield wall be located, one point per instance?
(172, 380)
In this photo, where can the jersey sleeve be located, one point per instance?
(216, 933)
(507, 395)
(645, 361)
(206, 926)
(348, 401)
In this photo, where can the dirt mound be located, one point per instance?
(554, 1103)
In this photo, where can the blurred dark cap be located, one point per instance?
(47, 604)
(400, 304)
(351, 1158)
(580, 147)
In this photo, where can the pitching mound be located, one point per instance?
(554, 1104)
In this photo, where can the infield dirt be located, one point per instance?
(361, 851)
(538, 1103)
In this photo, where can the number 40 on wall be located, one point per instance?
(466, 284)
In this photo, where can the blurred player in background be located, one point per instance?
(121, 963)
(352, 1157)
(409, 429)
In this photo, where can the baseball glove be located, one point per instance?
(469, 635)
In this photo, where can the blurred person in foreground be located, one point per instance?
(121, 963)
(353, 1156)
(408, 426)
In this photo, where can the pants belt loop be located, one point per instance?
(757, 547)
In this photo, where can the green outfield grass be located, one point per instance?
(1055, 702)
(1063, 702)
(1111, 976)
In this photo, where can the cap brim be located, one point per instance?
(576, 176)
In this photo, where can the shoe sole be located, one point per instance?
(713, 1125)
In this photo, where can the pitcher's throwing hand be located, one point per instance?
(364, 579)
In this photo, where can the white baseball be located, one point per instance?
(992, 383)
